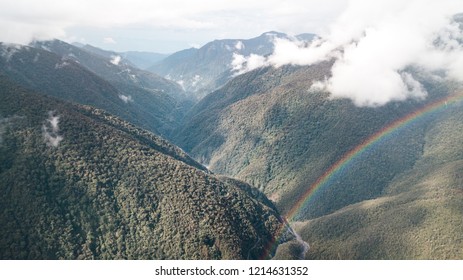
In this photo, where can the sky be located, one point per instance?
(377, 46)
(163, 26)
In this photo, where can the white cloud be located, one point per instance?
(241, 64)
(374, 43)
(238, 63)
(46, 19)
(296, 52)
(50, 130)
(109, 40)
(239, 45)
(181, 83)
(62, 64)
(115, 59)
(9, 50)
(126, 98)
(196, 79)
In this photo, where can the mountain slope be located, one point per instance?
(141, 60)
(67, 79)
(419, 215)
(78, 183)
(113, 69)
(267, 128)
(203, 70)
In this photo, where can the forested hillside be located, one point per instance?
(201, 71)
(419, 214)
(79, 183)
(269, 128)
(69, 78)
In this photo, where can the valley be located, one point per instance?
(192, 157)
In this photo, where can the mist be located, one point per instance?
(50, 130)
(126, 98)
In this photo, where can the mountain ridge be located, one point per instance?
(418, 216)
(260, 133)
(206, 69)
(99, 192)
(67, 78)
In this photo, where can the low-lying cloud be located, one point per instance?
(115, 59)
(50, 130)
(7, 51)
(242, 64)
(109, 40)
(126, 98)
(373, 45)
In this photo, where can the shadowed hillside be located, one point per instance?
(79, 183)
(68, 78)
(419, 214)
(267, 128)
(270, 129)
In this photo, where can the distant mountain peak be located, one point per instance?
(201, 71)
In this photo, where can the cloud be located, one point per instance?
(374, 44)
(239, 45)
(7, 51)
(109, 40)
(50, 130)
(115, 59)
(64, 62)
(46, 19)
(126, 98)
(241, 64)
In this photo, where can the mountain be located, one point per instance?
(79, 183)
(113, 68)
(107, 55)
(141, 60)
(67, 78)
(203, 70)
(418, 215)
(267, 128)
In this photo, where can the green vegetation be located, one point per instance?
(72, 74)
(109, 190)
(79, 182)
(208, 68)
(417, 217)
(268, 129)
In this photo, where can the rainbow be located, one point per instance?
(321, 182)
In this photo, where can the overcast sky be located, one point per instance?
(160, 25)
(373, 42)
